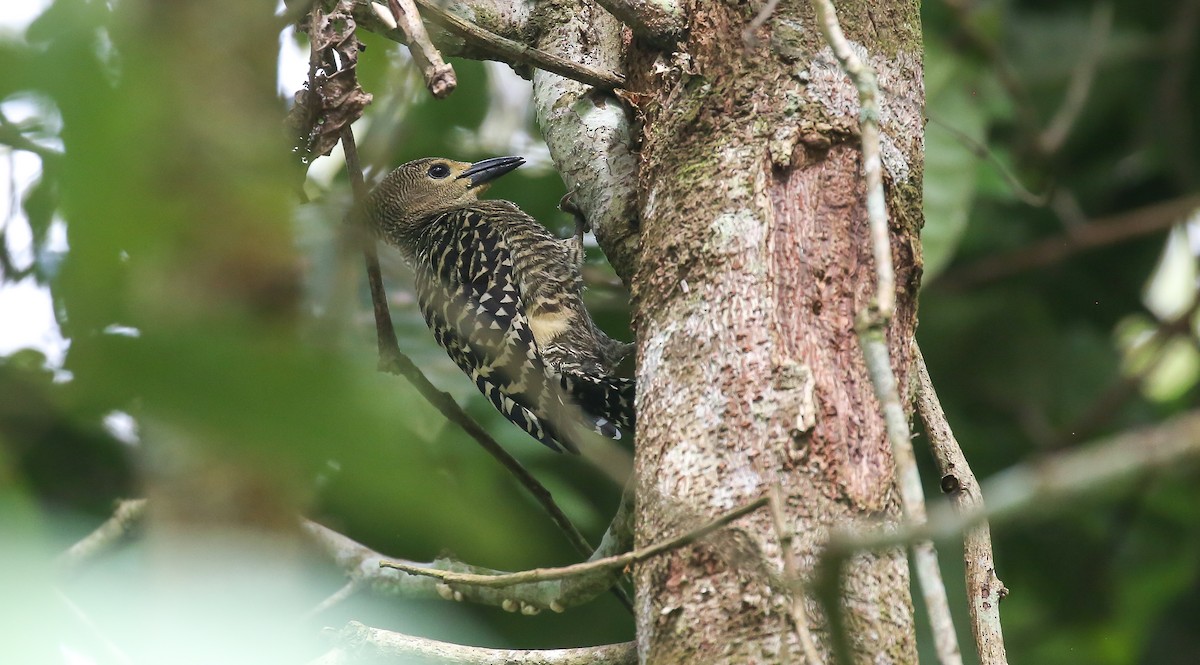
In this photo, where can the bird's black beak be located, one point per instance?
(487, 170)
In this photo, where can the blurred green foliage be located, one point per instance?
(1039, 359)
(183, 225)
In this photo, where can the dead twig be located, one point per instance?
(1023, 193)
(984, 588)
(799, 615)
(912, 497)
(128, 514)
(439, 76)
(868, 123)
(1059, 127)
(361, 565)
(871, 328)
(1019, 490)
(1078, 238)
(609, 563)
(502, 48)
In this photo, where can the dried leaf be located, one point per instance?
(332, 98)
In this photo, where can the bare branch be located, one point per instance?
(439, 76)
(1081, 237)
(868, 120)
(1023, 193)
(758, 21)
(128, 514)
(872, 339)
(618, 537)
(385, 335)
(361, 565)
(609, 563)
(517, 53)
(455, 414)
(1015, 493)
(501, 48)
(799, 615)
(985, 45)
(912, 497)
(1059, 128)
(360, 642)
(336, 598)
(984, 589)
(1021, 491)
(1176, 111)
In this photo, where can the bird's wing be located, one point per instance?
(472, 301)
(609, 395)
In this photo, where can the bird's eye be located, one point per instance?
(438, 171)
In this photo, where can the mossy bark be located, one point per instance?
(754, 263)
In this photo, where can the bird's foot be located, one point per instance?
(568, 206)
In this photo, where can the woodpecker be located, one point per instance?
(502, 296)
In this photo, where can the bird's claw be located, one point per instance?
(568, 206)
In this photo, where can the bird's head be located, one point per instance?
(427, 186)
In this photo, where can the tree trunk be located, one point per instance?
(755, 262)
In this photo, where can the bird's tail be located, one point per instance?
(607, 402)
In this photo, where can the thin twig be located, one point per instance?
(385, 335)
(1027, 489)
(871, 329)
(392, 360)
(127, 515)
(454, 413)
(983, 44)
(502, 48)
(516, 52)
(336, 598)
(984, 588)
(1096, 233)
(912, 497)
(618, 537)
(361, 643)
(439, 76)
(980, 150)
(786, 534)
(868, 121)
(1059, 127)
(937, 602)
(1021, 491)
(361, 566)
(115, 652)
(826, 587)
(758, 21)
(1176, 113)
(617, 562)
(12, 136)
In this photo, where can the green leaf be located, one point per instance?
(951, 167)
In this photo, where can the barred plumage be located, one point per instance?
(503, 297)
